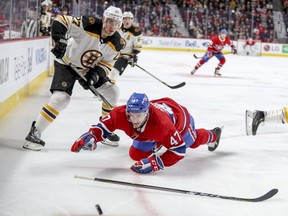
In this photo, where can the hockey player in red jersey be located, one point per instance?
(248, 46)
(151, 125)
(215, 48)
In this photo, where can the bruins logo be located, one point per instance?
(89, 58)
(123, 42)
(92, 20)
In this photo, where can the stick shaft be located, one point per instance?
(91, 87)
(172, 87)
(266, 196)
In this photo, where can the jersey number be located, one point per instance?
(174, 140)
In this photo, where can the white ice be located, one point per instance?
(43, 183)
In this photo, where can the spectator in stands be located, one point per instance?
(64, 10)
(29, 27)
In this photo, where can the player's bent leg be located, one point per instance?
(58, 101)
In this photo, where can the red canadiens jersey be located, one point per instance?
(167, 123)
(217, 45)
(250, 42)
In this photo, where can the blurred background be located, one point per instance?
(264, 20)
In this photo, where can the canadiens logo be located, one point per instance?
(90, 57)
(92, 20)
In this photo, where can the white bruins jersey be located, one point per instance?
(132, 37)
(86, 49)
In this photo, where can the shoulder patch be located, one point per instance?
(92, 20)
(123, 42)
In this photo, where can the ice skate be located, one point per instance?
(217, 73)
(33, 139)
(112, 140)
(258, 117)
(214, 145)
(193, 71)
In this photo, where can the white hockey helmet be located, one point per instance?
(128, 14)
(114, 13)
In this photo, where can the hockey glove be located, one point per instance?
(60, 48)
(133, 60)
(148, 165)
(234, 51)
(87, 141)
(92, 78)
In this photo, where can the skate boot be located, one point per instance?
(193, 71)
(217, 73)
(112, 140)
(33, 139)
(258, 117)
(214, 145)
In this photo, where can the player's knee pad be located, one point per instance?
(114, 74)
(110, 91)
(59, 100)
(222, 61)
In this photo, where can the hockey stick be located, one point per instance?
(264, 197)
(199, 57)
(91, 87)
(172, 87)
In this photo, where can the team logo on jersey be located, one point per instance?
(92, 20)
(123, 42)
(90, 58)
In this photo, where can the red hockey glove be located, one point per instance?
(87, 141)
(148, 165)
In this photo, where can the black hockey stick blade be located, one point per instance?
(176, 86)
(197, 57)
(264, 197)
(172, 87)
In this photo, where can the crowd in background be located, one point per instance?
(202, 18)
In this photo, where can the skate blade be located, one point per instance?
(248, 122)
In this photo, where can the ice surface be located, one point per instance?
(43, 183)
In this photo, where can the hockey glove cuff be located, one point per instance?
(86, 141)
(148, 165)
(60, 48)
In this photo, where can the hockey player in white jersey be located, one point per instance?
(92, 47)
(133, 45)
(255, 118)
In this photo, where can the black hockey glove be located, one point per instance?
(133, 60)
(92, 78)
(60, 48)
